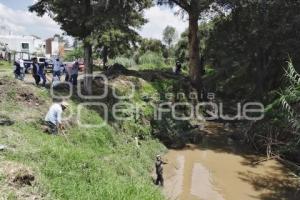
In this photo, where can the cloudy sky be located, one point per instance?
(14, 17)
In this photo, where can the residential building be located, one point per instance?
(23, 44)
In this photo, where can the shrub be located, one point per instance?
(74, 54)
(151, 60)
(278, 132)
(126, 62)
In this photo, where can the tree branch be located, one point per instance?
(182, 3)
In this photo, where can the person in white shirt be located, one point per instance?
(53, 118)
(21, 61)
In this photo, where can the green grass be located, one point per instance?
(93, 166)
(91, 163)
(126, 62)
(5, 67)
(149, 60)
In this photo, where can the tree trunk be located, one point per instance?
(194, 53)
(88, 63)
(105, 57)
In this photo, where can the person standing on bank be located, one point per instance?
(21, 61)
(74, 73)
(36, 71)
(67, 71)
(17, 70)
(159, 170)
(42, 74)
(53, 118)
(178, 68)
(57, 68)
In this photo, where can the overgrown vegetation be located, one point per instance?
(278, 133)
(148, 60)
(151, 60)
(77, 53)
(126, 62)
(85, 163)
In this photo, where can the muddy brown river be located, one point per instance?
(217, 170)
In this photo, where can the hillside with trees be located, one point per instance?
(185, 96)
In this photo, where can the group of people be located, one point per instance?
(39, 73)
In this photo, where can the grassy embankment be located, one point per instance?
(89, 163)
(5, 67)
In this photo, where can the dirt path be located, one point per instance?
(211, 173)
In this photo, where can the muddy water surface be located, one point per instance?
(224, 173)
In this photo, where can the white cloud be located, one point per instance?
(159, 18)
(24, 22)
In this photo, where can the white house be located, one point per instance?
(27, 44)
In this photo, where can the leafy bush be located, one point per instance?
(290, 97)
(210, 71)
(126, 62)
(151, 60)
(74, 54)
(278, 132)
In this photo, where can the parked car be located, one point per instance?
(27, 65)
(43, 62)
(70, 64)
(48, 65)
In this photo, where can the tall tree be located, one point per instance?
(117, 37)
(182, 45)
(82, 18)
(153, 45)
(193, 8)
(169, 35)
(249, 47)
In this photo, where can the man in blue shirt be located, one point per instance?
(57, 68)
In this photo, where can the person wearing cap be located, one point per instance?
(159, 170)
(53, 118)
